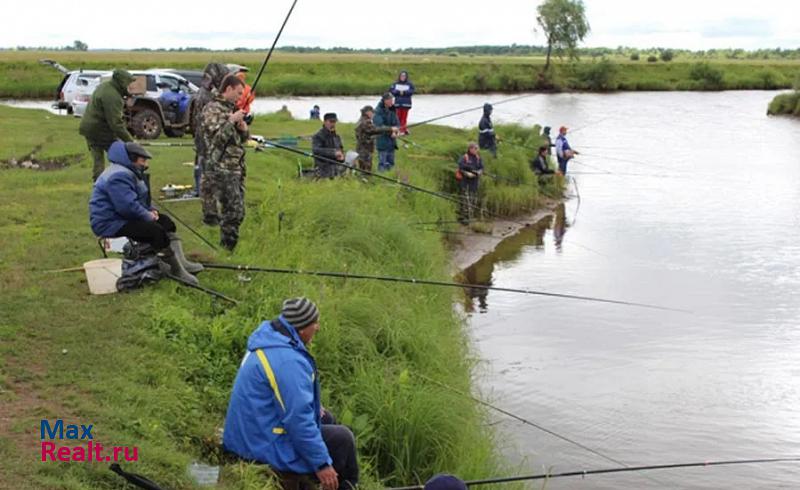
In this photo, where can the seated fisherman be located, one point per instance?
(275, 414)
(539, 162)
(120, 206)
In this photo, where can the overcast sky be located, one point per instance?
(693, 24)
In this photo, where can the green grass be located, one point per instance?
(21, 76)
(154, 368)
(785, 104)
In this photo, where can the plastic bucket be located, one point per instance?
(102, 275)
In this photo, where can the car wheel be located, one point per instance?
(146, 124)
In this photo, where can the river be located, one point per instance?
(700, 211)
(709, 223)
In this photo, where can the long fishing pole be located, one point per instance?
(584, 473)
(520, 419)
(504, 101)
(271, 49)
(440, 195)
(428, 282)
(179, 220)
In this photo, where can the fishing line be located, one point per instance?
(503, 101)
(428, 282)
(520, 419)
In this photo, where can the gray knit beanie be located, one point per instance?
(300, 312)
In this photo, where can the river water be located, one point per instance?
(709, 223)
(700, 211)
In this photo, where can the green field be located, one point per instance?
(21, 76)
(154, 368)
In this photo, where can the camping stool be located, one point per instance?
(102, 242)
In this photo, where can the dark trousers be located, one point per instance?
(342, 447)
(152, 232)
(98, 158)
(562, 165)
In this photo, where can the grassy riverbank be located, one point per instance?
(785, 104)
(154, 368)
(21, 76)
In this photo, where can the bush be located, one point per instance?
(635, 57)
(600, 76)
(652, 59)
(667, 55)
(785, 104)
(708, 77)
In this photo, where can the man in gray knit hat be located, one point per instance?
(275, 413)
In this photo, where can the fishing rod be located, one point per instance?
(584, 473)
(428, 282)
(271, 49)
(204, 289)
(179, 220)
(440, 195)
(520, 419)
(503, 101)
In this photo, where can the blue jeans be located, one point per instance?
(385, 160)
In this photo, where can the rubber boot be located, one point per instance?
(177, 269)
(177, 249)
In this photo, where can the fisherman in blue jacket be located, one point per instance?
(402, 90)
(120, 206)
(275, 414)
(386, 144)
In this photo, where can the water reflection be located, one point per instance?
(509, 251)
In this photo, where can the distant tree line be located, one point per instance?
(664, 54)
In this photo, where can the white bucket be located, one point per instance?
(102, 275)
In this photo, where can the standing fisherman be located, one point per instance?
(365, 137)
(564, 152)
(548, 139)
(402, 90)
(470, 168)
(103, 122)
(209, 87)
(385, 115)
(247, 96)
(486, 136)
(225, 134)
(327, 144)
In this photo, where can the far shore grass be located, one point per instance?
(21, 76)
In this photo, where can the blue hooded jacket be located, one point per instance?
(402, 91)
(274, 413)
(119, 195)
(385, 117)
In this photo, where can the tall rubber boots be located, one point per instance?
(176, 268)
(177, 249)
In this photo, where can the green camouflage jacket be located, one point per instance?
(365, 136)
(224, 142)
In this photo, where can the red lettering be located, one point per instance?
(98, 448)
(64, 454)
(47, 449)
(135, 456)
(117, 450)
(79, 453)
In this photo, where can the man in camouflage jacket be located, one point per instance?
(209, 87)
(224, 135)
(365, 137)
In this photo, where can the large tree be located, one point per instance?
(564, 24)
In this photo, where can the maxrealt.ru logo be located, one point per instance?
(90, 451)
